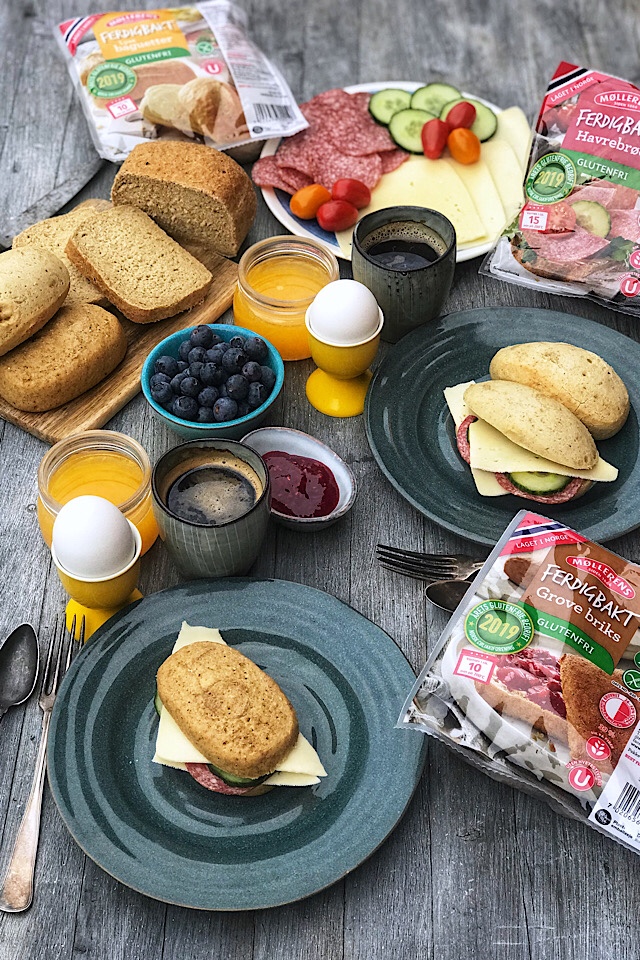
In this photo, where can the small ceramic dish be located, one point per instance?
(229, 429)
(303, 445)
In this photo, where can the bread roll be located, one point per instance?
(33, 285)
(76, 350)
(579, 379)
(534, 421)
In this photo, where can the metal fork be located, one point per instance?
(16, 892)
(427, 566)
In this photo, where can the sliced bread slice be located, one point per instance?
(143, 272)
(53, 234)
(192, 191)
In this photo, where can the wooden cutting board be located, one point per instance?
(95, 407)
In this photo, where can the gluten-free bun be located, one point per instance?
(33, 285)
(579, 379)
(232, 711)
(534, 421)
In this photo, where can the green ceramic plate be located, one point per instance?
(161, 833)
(411, 432)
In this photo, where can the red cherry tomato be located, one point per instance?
(561, 217)
(337, 215)
(354, 192)
(462, 115)
(463, 145)
(434, 138)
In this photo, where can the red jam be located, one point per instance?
(300, 486)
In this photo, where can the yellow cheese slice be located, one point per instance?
(479, 182)
(507, 175)
(302, 765)
(422, 182)
(513, 127)
(486, 483)
(492, 451)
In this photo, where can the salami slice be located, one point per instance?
(266, 173)
(392, 159)
(575, 486)
(295, 178)
(330, 165)
(207, 779)
(566, 248)
(462, 438)
(626, 224)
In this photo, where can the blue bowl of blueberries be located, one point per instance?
(214, 380)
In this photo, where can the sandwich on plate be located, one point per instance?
(518, 440)
(226, 722)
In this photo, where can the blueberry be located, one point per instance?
(216, 338)
(182, 365)
(256, 349)
(195, 369)
(206, 415)
(243, 408)
(162, 394)
(208, 396)
(215, 354)
(184, 407)
(234, 360)
(177, 380)
(252, 371)
(237, 341)
(190, 387)
(222, 389)
(268, 378)
(225, 409)
(202, 336)
(196, 353)
(168, 365)
(257, 395)
(237, 386)
(183, 349)
(157, 379)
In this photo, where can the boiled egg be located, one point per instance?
(92, 539)
(344, 312)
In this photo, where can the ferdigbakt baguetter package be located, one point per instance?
(183, 72)
(578, 233)
(536, 678)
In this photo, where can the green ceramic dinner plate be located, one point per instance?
(411, 431)
(156, 829)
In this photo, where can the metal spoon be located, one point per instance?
(18, 667)
(447, 594)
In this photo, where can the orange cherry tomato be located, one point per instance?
(305, 202)
(337, 215)
(463, 145)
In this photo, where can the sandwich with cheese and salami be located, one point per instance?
(226, 722)
(518, 440)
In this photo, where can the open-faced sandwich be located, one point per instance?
(226, 722)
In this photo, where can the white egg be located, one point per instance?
(345, 312)
(91, 538)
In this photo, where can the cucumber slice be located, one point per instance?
(485, 124)
(539, 482)
(406, 126)
(433, 97)
(385, 103)
(157, 702)
(235, 781)
(593, 217)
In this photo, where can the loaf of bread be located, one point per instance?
(53, 234)
(193, 192)
(580, 379)
(142, 271)
(33, 285)
(534, 421)
(77, 349)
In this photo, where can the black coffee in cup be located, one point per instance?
(210, 488)
(404, 245)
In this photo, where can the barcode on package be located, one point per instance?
(272, 111)
(628, 803)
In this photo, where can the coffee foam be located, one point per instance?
(410, 231)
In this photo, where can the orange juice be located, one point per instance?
(101, 463)
(277, 280)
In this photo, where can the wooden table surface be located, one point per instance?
(475, 869)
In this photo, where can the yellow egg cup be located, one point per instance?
(339, 386)
(98, 598)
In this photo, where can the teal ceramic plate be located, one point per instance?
(156, 829)
(411, 432)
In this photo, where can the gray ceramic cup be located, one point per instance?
(407, 297)
(198, 546)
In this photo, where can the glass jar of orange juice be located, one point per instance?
(102, 463)
(277, 280)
